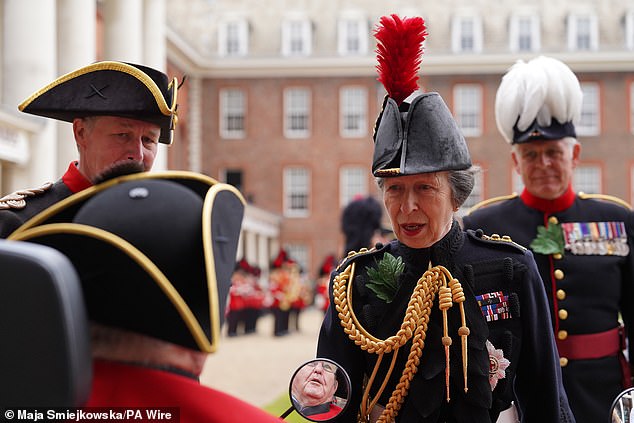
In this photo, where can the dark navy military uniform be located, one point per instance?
(505, 304)
(588, 285)
(18, 207)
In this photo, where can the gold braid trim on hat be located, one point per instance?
(435, 279)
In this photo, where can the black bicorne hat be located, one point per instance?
(154, 252)
(417, 137)
(420, 137)
(109, 88)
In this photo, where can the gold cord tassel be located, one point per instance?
(414, 327)
(444, 302)
(458, 297)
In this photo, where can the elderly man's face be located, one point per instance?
(546, 167)
(315, 383)
(105, 141)
(420, 207)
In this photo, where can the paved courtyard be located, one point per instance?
(257, 368)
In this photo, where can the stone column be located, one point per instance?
(194, 124)
(29, 46)
(251, 250)
(154, 54)
(123, 30)
(77, 42)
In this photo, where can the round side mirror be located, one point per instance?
(622, 410)
(319, 390)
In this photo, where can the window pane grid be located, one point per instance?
(353, 106)
(297, 104)
(232, 109)
(353, 183)
(589, 121)
(467, 105)
(296, 183)
(587, 179)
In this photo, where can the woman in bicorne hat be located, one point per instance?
(439, 325)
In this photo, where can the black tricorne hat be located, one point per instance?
(417, 137)
(154, 252)
(109, 88)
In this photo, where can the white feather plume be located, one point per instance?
(542, 89)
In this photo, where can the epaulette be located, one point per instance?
(495, 239)
(605, 197)
(17, 200)
(353, 255)
(490, 201)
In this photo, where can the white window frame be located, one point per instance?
(457, 33)
(296, 184)
(353, 182)
(233, 32)
(352, 30)
(587, 179)
(353, 106)
(516, 32)
(232, 107)
(297, 30)
(297, 106)
(590, 122)
(468, 108)
(574, 28)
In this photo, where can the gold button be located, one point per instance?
(562, 334)
(563, 361)
(561, 294)
(553, 220)
(559, 274)
(495, 237)
(563, 314)
(557, 256)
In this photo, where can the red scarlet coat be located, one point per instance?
(122, 385)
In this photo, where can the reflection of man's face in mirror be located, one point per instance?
(315, 383)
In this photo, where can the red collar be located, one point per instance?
(74, 180)
(549, 206)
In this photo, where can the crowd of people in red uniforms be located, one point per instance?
(285, 294)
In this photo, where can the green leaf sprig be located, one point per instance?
(549, 240)
(384, 278)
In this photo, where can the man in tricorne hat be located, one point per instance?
(440, 324)
(119, 112)
(581, 243)
(154, 254)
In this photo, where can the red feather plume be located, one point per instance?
(399, 53)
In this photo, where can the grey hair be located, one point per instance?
(460, 181)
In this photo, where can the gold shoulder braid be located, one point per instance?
(435, 279)
(605, 197)
(17, 200)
